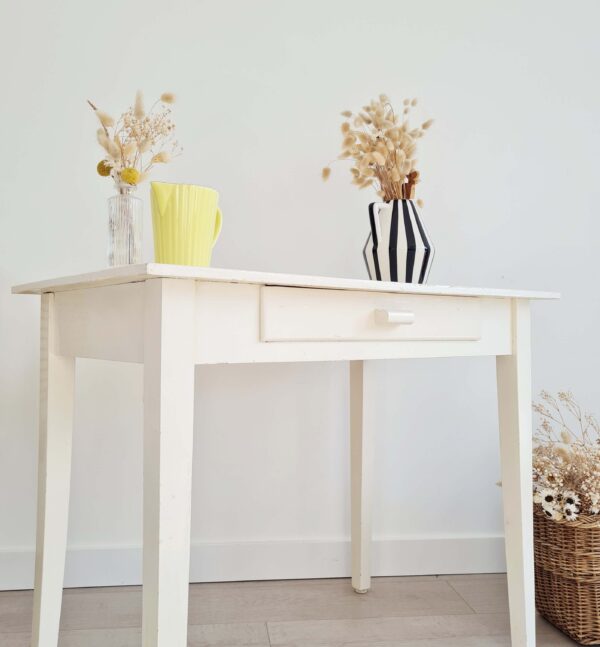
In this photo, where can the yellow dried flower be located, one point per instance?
(420, 202)
(426, 124)
(345, 128)
(130, 175)
(325, 173)
(104, 168)
(346, 113)
(167, 97)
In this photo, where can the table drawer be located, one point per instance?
(300, 314)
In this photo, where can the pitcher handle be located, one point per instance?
(218, 225)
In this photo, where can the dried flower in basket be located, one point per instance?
(137, 140)
(566, 458)
(382, 146)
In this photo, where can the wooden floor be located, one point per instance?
(444, 611)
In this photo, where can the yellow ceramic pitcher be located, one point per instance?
(186, 222)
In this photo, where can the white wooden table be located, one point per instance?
(171, 318)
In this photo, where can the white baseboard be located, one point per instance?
(268, 560)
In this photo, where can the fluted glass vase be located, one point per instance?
(124, 227)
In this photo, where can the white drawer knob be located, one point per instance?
(394, 317)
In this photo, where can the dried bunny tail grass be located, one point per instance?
(102, 139)
(379, 158)
(105, 119)
(160, 158)
(129, 149)
(420, 203)
(138, 108)
(167, 97)
(382, 145)
(113, 149)
(325, 173)
(144, 146)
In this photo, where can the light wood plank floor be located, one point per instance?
(444, 611)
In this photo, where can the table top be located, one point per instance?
(144, 271)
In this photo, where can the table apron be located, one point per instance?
(247, 323)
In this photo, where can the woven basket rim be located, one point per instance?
(582, 521)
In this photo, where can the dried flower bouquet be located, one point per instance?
(137, 140)
(566, 459)
(382, 145)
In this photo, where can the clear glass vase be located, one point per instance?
(124, 227)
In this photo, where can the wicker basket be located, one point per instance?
(567, 575)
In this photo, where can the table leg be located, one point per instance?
(168, 443)
(57, 375)
(361, 461)
(514, 404)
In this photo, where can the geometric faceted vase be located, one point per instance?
(398, 248)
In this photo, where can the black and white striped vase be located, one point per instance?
(398, 248)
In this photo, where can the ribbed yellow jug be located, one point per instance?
(186, 222)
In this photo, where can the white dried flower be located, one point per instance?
(570, 512)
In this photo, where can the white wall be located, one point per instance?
(510, 181)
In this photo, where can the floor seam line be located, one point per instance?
(461, 597)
